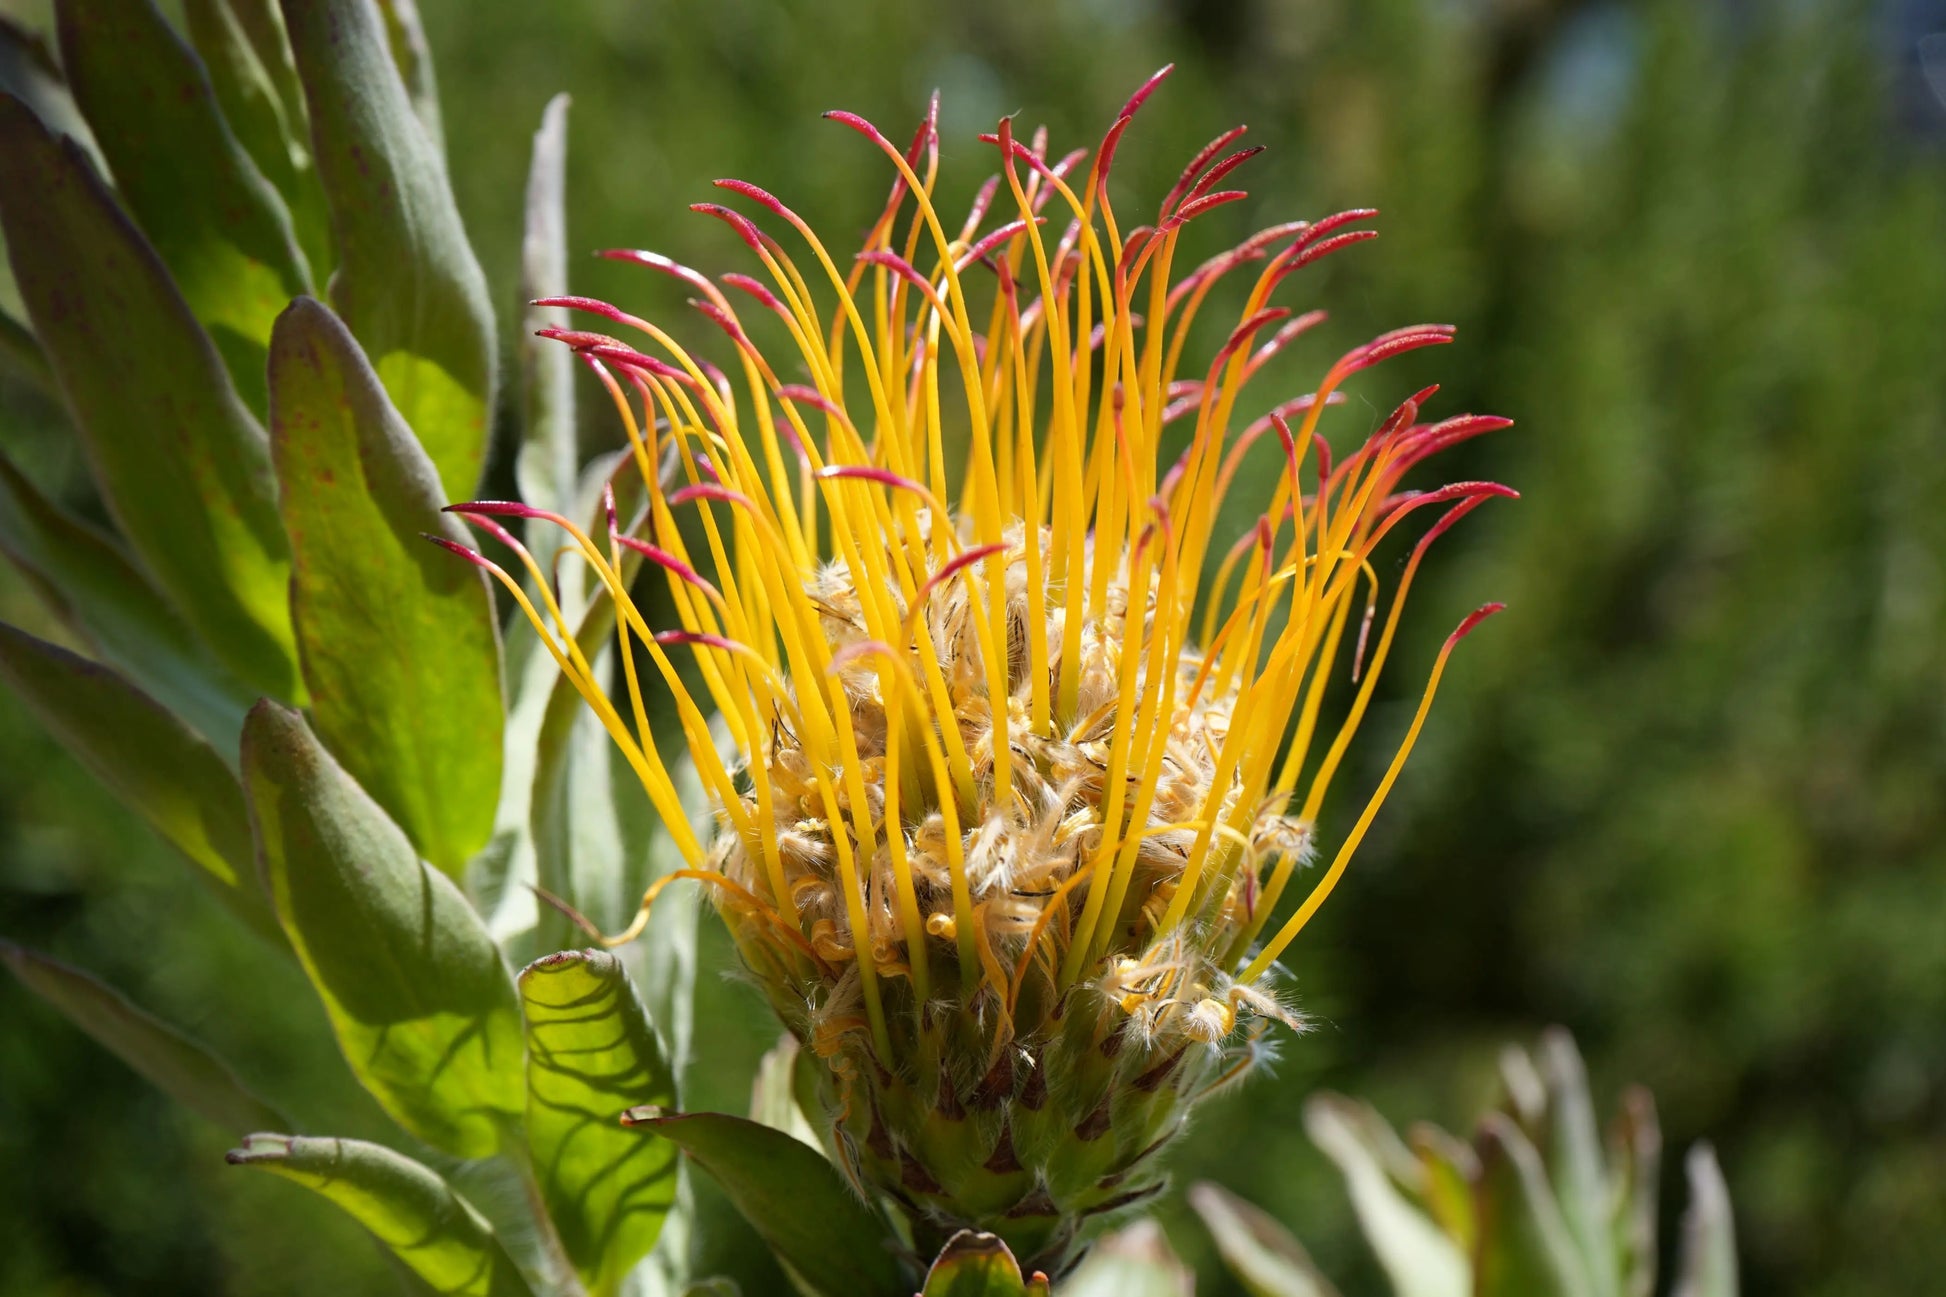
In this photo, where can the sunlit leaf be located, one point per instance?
(1525, 1244)
(219, 225)
(161, 769)
(546, 467)
(796, 1200)
(1570, 1147)
(182, 464)
(437, 1233)
(1261, 1253)
(407, 282)
(422, 1005)
(254, 103)
(397, 638)
(591, 1054)
(1707, 1266)
(90, 584)
(1418, 1259)
(173, 1063)
(973, 1264)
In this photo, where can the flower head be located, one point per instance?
(1027, 752)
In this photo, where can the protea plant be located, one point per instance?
(954, 662)
(1025, 751)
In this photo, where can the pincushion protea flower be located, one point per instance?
(1026, 755)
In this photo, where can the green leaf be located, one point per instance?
(173, 1063)
(1707, 1266)
(89, 583)
(973, 1264)
(184, 467)
(812, 1219)
(1261, 1253)
(270, 127)
(413, 56)
(437, 1233)
(1525, 1244)
(158, 766)
(1571, 1149)
(1132, 1262)
(422, 1006)
(591, 1054)
(1418, 1259)
(407, 282)
(20, 354)
(397, 639)
(1635, 1168)
(217, 223)
(1448, 1170)
(29, 73)
(546, 467)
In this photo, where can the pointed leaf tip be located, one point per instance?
(423, 1007)
(432, 1229)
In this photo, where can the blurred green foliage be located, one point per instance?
(1686, 797)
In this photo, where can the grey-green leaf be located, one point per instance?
(437, 1233)
(1132, 1262)
(184, 467)
(422, 1005)
(546, 467)
(835, 1244)
(171, 1061)
(158, 766)
(1707, 1266)
(592, 1054)
(1418, 1259)
(1571, 1149)
(413, 56)
(1525, 1245)
(407, 281)
(89, 583)
(1635, 1166)
(1261, 1253)
(205, 207)
(254, 104)
(397, 639)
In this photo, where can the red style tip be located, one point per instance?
(746, 229)
(953, 567)
(860, 125)
(748, 285)
(668, 637)
(868, 473)
(1195, 207)
(1147, 88)
(668, 562)
(472, 556)
(1473, 619)
(494, 509)
(1313, 252)
(758, 194)
(797, 393)
(590, 304)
